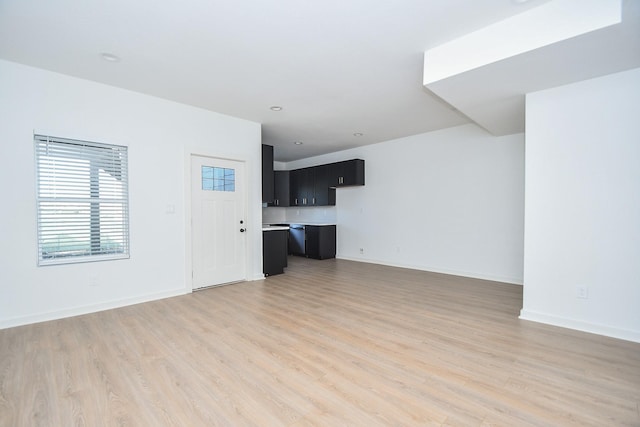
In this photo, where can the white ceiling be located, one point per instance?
(493, 95)
(337, 67)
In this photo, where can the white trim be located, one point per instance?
(503, 279)
(88, 309)
(579, 325)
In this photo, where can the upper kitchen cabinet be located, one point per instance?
(301, 187)
(267, 174)
(310, 187)
(322, 194)
(281, 189)
(347, 173)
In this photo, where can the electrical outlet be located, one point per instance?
(582, 292)
(361, 251)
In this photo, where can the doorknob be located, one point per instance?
(242, 230)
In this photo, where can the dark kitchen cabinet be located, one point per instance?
(281, 189)
(267, 174)
(315, 186)
(347, 173)
(310, 187)
(301, 190)
(274, 251)
(320, 241)
(305, 185)
(322, 194)
(312, 241)
(295, 198)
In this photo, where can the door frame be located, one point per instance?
(188, 217)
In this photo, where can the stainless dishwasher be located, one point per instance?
(297, 239)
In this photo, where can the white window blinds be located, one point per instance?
(82, 200)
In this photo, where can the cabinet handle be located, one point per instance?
(314, 201)
(296, 201)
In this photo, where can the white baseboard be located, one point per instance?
(579, 325)
(503, 279)
(61, 314)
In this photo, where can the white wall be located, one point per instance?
(449, 201)
(583, 206)
(160, 135)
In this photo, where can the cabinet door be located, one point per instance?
(321, 186)
(281, 190)
(312, 243)
(306, 186)
(321, 241)
(267, 174)
(274, 251)
(350, 172)
(294, 192)
(301, 187)
(354, 172)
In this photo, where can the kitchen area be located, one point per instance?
(299, 213)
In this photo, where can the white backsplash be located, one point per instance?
(320, 214)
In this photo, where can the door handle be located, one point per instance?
(242, 230)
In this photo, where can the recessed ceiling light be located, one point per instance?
(358, 134)
(109, 57)
(298, 142)
(519, 1)
(276, 108)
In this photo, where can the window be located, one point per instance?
(82, 201)
(218, 179)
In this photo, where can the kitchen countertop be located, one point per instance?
(267, 227)
(286, 224)
(314, 223)
(283, 226)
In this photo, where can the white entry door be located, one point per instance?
(218, 221)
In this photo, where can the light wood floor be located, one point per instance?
(329, 343)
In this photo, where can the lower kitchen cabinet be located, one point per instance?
(320, 241)
(274, 251)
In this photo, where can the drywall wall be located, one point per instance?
(449, 201)
(582, 230)
(160, 135)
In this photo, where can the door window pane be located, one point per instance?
(218, 179)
